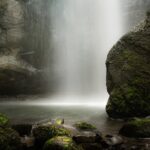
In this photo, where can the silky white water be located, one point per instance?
(83, 31)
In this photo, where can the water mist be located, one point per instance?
(82, 33)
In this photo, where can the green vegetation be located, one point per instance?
(139, 128)
(60, 143)
(84, 126)
(4, 121)
(43, 133)
(127, 101)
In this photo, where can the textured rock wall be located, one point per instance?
(16, 75)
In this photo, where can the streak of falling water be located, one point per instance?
(83, 31)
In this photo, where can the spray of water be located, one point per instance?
(83, 31)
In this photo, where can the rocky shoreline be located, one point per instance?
(56, 135)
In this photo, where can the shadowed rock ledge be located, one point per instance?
(128, 74)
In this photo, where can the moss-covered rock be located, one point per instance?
(60, 143)
(4, 121)
(138, 128)
(128, 72)
(9, 139)
(43, 133)
(84, 126)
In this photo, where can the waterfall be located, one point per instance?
(70, 40)
(83, 31)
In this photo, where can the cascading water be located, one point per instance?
(70, 40)
(83, 31)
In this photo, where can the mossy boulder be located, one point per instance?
(4, 121)
(84, 126)
(60, 143)
(44, 132)
(9, 139)
(128, 72)
(138, 128)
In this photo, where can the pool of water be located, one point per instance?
(26, 113)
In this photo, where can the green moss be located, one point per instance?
(127, 101)
(139, 128)
(43, 133)
(60, 143)
(140, 122)
(4, 121)
(59, 121)
(84, 126)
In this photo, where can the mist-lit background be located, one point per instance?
(69, 40)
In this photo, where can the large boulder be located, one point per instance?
(128, 74)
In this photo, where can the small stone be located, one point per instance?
(111, 140)
(134, 148)
(87, 137)
(27, 141)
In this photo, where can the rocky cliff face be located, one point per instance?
(16, 75)
(128, 74)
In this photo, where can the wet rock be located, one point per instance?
(138, 128)
(84, 126)
(9, 139)
(112, 142)
(87, 137)
(44, 132)
(91, 146)
(4, 121)
(114, 139)
(27, 141)
(128, 72)
(61, 143)
(23, 129)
